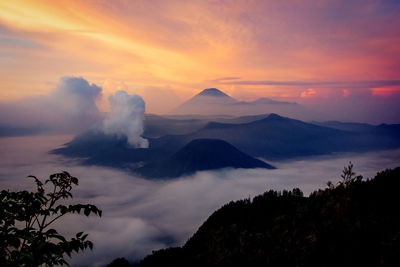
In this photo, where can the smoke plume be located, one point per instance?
(126, 118)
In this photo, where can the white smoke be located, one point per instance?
(126, 118)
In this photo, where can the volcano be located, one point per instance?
(200, 155)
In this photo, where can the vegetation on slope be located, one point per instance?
(355, 223)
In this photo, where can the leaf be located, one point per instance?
(51, 233)
(84, 237)
(87, 211)
(74, 180)
(14, 242)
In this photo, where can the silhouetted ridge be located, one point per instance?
(201, 154)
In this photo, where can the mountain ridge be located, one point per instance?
(271, 137)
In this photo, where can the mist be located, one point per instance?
(141, 215)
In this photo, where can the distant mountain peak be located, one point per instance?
(212, 92)
(274, 116)
(209, 101)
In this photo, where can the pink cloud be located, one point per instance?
(310, 92)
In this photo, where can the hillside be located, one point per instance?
(199, 155)
(356, 223)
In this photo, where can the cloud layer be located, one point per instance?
(140, 215)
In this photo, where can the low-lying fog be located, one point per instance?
(140, 215)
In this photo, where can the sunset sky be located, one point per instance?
(311, 52)
(104, 89)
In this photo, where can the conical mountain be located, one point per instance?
(210, 101)
(198, 155)
(212, 92)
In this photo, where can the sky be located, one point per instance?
(333, 55)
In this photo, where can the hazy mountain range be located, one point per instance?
(212, 101)
(180, 144)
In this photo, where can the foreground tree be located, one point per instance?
(26, 236)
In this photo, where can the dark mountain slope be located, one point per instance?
(356, 223)
(276, 137)
(201, 154)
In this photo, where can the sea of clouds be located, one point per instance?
(141, 215)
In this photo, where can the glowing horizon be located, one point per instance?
(168, 51)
